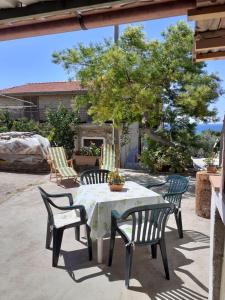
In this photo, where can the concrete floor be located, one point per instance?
(25, 264)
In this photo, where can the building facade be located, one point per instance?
(33, 100)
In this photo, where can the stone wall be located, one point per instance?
(52, 102)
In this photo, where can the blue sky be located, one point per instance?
(29, 60)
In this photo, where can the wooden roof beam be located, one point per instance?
(206, 13)
(48, 8)
(200, 57)
(210, 44)
(109, 18)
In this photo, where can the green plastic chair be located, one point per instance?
(58, 222)
(60, 166)
(108, 160)
(177, 186)
(94, 177)
(143, 225)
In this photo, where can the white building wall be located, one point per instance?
(222, 291)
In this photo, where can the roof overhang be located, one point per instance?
(209, 40)
(33, 17)
(55, 93)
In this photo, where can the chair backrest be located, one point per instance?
(108, 157)
(148, 221)
(46, 199)
(177, 184)
(94, 177)
(58, 155)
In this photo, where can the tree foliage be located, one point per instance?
(143, 80)
(63, 127)
(153, 82)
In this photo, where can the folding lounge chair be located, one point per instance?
(108, 160)
(60, 166)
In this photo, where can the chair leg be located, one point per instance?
(154, 251)
(77, 233)
(129, 255)
(111, 247)
(164, 257)
(57, 240)
(178, 218)
(89, 242)
(48, 236)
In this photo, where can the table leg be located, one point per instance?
(99, 250)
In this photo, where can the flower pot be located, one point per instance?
(116, 187)
(211, 169)
(84, 160)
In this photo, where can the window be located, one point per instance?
(98, 141)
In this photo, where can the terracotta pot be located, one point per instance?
(211, 169)
(116, 187)
(84, 160)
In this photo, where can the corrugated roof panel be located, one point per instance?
(17, 3)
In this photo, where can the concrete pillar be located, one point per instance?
(217, 239)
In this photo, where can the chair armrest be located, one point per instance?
(68, 195)
(70, 162)
(81, 208)
(155, 185)
(115, 214)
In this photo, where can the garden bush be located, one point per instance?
(158, 158)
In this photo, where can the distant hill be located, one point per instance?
(212, 126)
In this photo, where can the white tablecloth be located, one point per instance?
(99, 201)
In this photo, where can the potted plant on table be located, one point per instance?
(87, 156)
(116, 181)
(210, 163)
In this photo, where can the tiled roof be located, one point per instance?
(44, 87)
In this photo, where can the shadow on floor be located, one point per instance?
(147, 272)
(67, 183)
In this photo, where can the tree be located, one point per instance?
(150, 81)
(63, 127)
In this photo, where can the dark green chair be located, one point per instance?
(58, 222)
(143, 225)
(94, 176)
(177, 186)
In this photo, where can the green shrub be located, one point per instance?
(158, 158)
(207, 141)
(63, 126)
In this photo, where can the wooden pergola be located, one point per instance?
(26, 18)
(209, 43)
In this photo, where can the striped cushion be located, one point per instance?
(57, 154)
(108, 161)
(67, 172)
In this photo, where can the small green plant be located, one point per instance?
(115, 178)
(210, 160)
(92, 150)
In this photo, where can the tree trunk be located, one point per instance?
(157, 138)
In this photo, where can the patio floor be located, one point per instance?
(25, 264)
